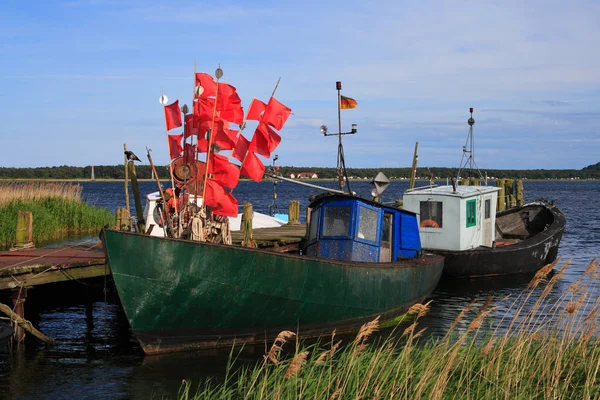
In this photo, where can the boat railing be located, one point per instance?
(420, 188)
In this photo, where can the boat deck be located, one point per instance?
(282, 238)
(51, 264)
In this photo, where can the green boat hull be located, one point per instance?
(181, 295)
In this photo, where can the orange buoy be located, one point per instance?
(429, 223)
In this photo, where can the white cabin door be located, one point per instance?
(487, 222)
(385, 251)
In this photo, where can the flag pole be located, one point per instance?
(169, 149)
(218, 75)
(278, 80)
(338, 86)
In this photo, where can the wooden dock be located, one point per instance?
(26, 268)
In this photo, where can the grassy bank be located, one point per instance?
(58, 209)
(542, 348)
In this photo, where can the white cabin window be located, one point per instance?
(314, 224)
(336, 221)
(431, 214)
(367, 224)
(488, 208)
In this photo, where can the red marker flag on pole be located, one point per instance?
(276, 114)
(241, 148)
(256, 110)
(252, 167)
(264, 141)
(222, 202)
(208, 84)
(175, 147)
(190, 153)
(224, 172)
(204, 109)
(173, 115)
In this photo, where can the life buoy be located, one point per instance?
(429, 223)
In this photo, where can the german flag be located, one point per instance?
(347, 102)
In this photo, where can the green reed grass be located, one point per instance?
(57, 208)
(550, 350)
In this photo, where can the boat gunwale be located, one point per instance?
(426, 259)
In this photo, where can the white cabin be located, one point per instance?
(454, 219)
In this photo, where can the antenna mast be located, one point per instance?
(468, 157)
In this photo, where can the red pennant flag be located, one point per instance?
(173, 115)
(208, 84)
(191, 126)
(252, 167)
(227, 97)
(235, 115)
(264, 141)
(222, 202)
(224, 172)
(204, 109)
(189, 153)
(175, 147)
(256, 110)
(276, 114)
(223, 137)
(241, 148)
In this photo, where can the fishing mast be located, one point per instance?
(468, 157)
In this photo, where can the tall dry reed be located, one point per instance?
(544, 344)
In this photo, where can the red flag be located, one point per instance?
(276, 114)
(190, 153)
(235, 115)
(208, 84)
(191, 125)
(175, 147)
(241, 148)
(173, 115)
(256, 110)
(347, 102)
(204, 109)
(223, 171)
(223, 137)
(227, 97)
(252, 167)
(222, 202)
(264, 141)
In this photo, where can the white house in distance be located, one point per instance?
(304, 175)
(454, 218)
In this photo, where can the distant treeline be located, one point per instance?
(144, 172)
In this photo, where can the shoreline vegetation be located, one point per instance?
(540, 347)
(143, 172)
(58, 210)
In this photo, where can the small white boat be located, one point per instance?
(152, 217)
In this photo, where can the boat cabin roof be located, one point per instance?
(460, 192)
(328, 198)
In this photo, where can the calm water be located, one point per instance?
(96, 356)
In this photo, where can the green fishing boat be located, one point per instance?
(362, 259)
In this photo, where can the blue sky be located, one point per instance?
(80, 78)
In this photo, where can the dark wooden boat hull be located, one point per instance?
(181, 295)
(538, 245)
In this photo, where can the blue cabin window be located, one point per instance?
(471, 213)
(314, 224)
(336, 221)
(368, 222)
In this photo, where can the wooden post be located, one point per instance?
(308, 211)
(246, 225)
(475, 181)
(24, 231)
(18, 297)
(520, 194)
(126, 180)
(141, 224)
(465, 182)
(294, 212)
(501, 205)
(508, 191)
(413, 170)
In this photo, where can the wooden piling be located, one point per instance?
(246, 225)
(519, 192)
(294, 212)
(475, 181)
(509, 193)
(464, 182)
(139, 213)
(24, 239)
(501, 204)
(126, 179)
